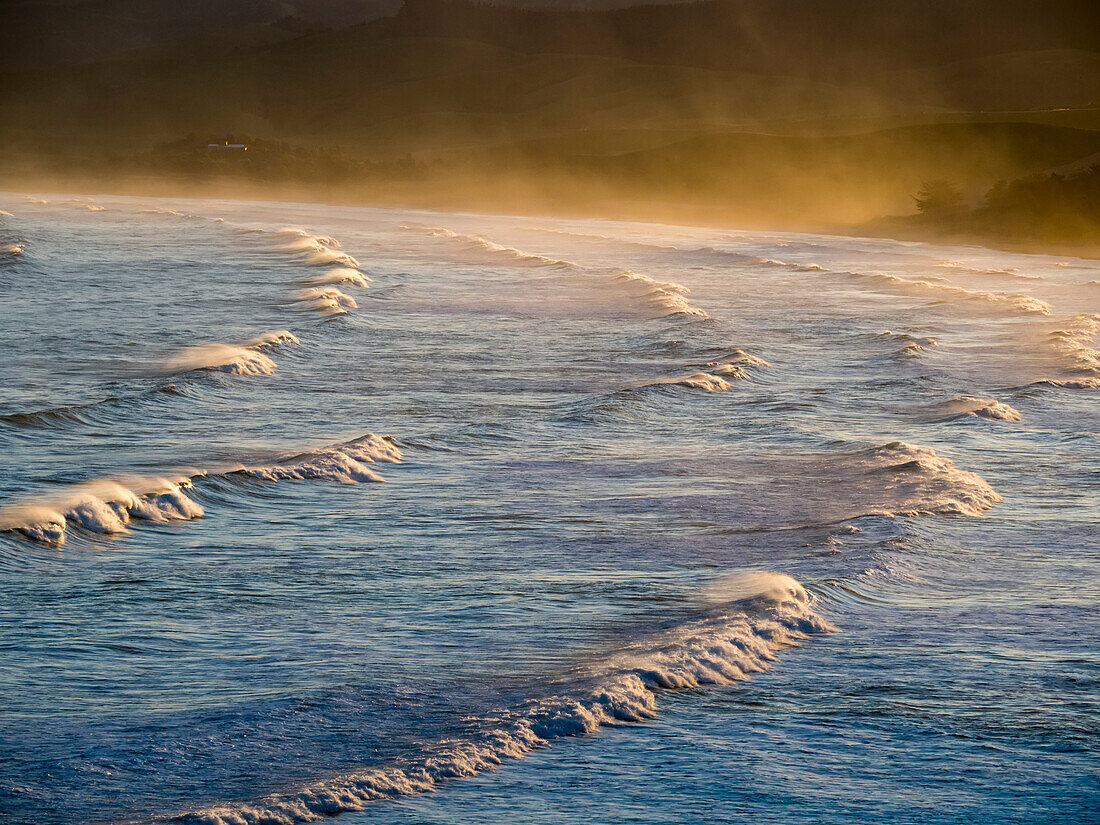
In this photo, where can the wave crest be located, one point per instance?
(102, 506)
(727, 646)
(344, 462)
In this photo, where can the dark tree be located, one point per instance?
(938, 198)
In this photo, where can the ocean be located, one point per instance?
(416, 517)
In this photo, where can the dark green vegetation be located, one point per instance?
(1055, 208)
(788, 112)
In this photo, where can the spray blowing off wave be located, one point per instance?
(1073, 342)
(914, 480)
(1009, 272)
(665, 297)
(340, 275)
(326, 299)
(317, 250)
(342, 462)
(659, 298)
(730, 644)
(968, 407)
(716, 376)
(102, 506)
(108, 506)
(247, 358)
(912, 346)
(993, 301)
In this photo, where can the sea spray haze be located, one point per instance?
(428, 517)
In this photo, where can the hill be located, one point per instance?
(794, 110)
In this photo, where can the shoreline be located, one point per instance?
(627, 210)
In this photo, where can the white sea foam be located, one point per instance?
(740, 358)
(912, 346)
(666, 298)
(487, 251)
(109, 505)
(999, 301)
(271, 338)
(1073, 343)
(658, 297)
(102, 506)
(1005, 272)
(698, 381)
(978, 408)
(726, 646)
(914, 480)
(11, 249)
(344, 462)
(317, 250)
(340, 275)
(229, 358)
(326, 299)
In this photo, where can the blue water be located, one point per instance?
(549, 521)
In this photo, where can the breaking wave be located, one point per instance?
(103, 506)
(1007, 272)
(666, 298)
(730, 644)
(716, 376)
(1073, 343)
(11, 250)
(485, 251)
(340, 275)
(326, 299)
(999, 301)
(317, 250)
(914, 480)
(912, 346)
(341, 462)
(968, 407)
(659, 297)
(247, 358)
(108, 506)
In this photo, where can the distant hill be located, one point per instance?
(787, 107)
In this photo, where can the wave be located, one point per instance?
(487, 250)
(341, 462)
(914, 480)
(999, 301)
(6, 214)
(660, 297)
(81, 414)
(1007, 272)
(1069, 383)
(326, 299)
(173, 213)
(716, 376)
(665, 297)
(733, 642)
(11, 249)
(102, 506)
(696, 381)
(971, 407)
(108, 506)
(318, 250)
(1073, 344)
(340, 275)
(912, 346)
(247, 358)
